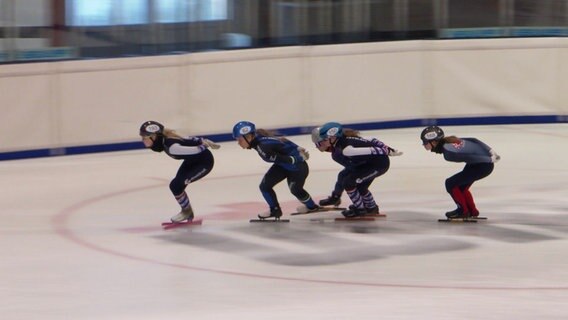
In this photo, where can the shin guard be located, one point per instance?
(470, 203)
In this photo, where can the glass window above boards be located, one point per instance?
(130, 12)
(37, 30)
(176, 11)
(106, 12)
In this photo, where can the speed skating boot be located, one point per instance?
(333, 200)
(372, 211)
(273, 213)
(456, 214)
(184, 214)
(353, 212)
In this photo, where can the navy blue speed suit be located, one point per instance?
(287, 164)
(363, 159)
(197, 162)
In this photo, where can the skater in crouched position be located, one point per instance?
(289, 162)
(479, 161)
(335, 198)
(197, 160)
(363, 160)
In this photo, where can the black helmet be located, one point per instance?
(149, 128)
(431, 133)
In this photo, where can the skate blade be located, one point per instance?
(378, 215)
(365, 218)
(459, 220)
(322, 209)
(269, 220)
(171, 225)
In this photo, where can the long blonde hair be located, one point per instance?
(451, 139)
(169, 133)
(348, 132)
(270, 133)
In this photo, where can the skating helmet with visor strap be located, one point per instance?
(330, 129)
(149, 128)
(242, 128)
(431, 133)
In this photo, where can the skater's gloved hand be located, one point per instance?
(210, 144)
(304, 153)
(494, 156)
(394, 153)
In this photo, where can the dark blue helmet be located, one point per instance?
(242, 128)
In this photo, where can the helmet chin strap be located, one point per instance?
(437, 148)
(334, 142)
(157, 145)
(248, 142)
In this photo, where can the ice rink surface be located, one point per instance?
(81, 238)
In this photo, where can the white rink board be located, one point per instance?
(77, 103)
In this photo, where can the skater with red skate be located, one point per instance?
(479, 161)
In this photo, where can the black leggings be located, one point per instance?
(470, 173)
(192, 170)
(362, 176)
(296, 180)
